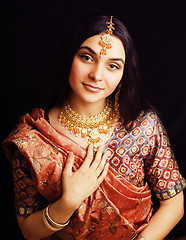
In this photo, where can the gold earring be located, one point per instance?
(116, 104)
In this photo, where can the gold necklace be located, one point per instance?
(89, 128)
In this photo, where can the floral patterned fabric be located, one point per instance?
(27, 197)
(121, 206)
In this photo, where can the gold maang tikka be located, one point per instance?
(106, 39)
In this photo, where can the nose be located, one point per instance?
(96, 73)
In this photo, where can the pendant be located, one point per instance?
(106, 43)
(106, 39)
(94, 136)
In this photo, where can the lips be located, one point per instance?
(92, 88)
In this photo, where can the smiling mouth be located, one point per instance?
(92, 88)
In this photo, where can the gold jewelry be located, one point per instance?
(89, 127)
(138, 237)
(116, 104)
(51, 224)
(106, 39)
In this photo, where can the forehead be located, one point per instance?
(117, 50)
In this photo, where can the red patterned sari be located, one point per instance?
(121, 207)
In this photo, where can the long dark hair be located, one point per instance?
(131, 97)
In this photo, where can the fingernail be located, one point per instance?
(91, 145)
(107, 165)
(71, 154)
(101, 147)
(107, 154)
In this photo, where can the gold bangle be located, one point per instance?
(133, 238)
(52, 223)
(47, 223)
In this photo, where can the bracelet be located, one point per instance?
(138, 237)
(51, 224)
(47, 223)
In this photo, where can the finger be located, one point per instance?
(89, 157)
(69, 163)
(101, 165)
(97, 158)
(103, 174)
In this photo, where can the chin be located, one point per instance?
(92, 100)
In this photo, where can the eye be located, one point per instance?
(113, 66)
(86, 57)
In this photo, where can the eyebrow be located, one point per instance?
(118, 59)
(93, 52)
(88, 48)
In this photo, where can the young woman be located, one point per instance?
(86, 169)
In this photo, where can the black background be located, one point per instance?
(31, 33)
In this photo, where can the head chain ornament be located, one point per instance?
(106, 39)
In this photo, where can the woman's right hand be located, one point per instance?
(79, 185)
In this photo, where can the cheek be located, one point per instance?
(73, 73)
(113, 82)
(77, 72)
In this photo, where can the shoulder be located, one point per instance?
(53, 113)
(149, 123)
(148, 118)
(19, 133)
(145, 120)
(26, 121)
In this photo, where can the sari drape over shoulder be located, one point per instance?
(121, 206)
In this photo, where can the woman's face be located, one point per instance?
(93, 78)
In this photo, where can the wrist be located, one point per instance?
(68, 203)
(60, 211)
(50, 223)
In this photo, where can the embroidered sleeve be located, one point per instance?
(27, 198)
(162, 168)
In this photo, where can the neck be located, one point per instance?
(87, 109)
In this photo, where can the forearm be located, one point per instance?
(33, 227)
(165, 219)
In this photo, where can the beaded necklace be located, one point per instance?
(89, 128)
